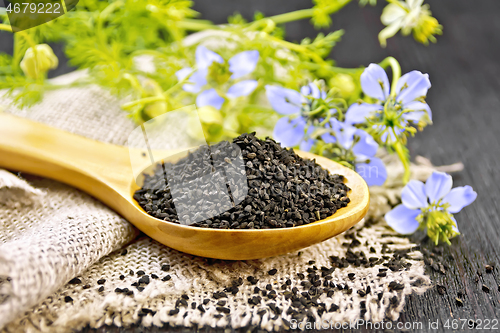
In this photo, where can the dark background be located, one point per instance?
(464, 69)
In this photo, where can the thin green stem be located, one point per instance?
(313, 112)
(195, 25)
(403, 156)
(145, 100)
(5, 27)
(306, 13)
(339, 70)
(396, 72)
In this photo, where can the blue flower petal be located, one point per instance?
(243, 63)
(209, 97)
(311, 90)
(366, 145)
(284, 101)
(402, 219)
(411, 86)
(459, 197)
(196, 81)
(413, 195)
(307, 143)
(372, 169)
(438, 185)
(375, 83)
(420, 108)
(289, 132)
(242, 88)
(357, 113)
(205, 57)
(345, 134)
(328, 138)
(183, 73)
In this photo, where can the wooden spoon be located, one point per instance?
(104, 171)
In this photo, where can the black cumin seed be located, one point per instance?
(154, 276)
(221, 303)
(485, 289)
(166, 278)
(165, 267)
(459, 302)
(87, 286)
(140, 289)
(124, 252)
(206, 301)
(441, 289)
(75, 281)
(201, 308)
(173, 312)
(489, 268)
(68, 299)
(101, 289)
(140, 273)
(101, 281)
(351, 276)
(272, 271)
(193, 305)
(131, 272)
(144, 279)
(382, 274)
(185, 296)
(333, 308)
(122, 277)
(223, 309)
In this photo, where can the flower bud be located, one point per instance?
(37, 62)
(344, 83)
(154, 109)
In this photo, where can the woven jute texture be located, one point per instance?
(51, 233)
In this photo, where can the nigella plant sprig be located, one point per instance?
(311, 107)
(431, 206)
(392, 112)
(213, 73)
(312, 122)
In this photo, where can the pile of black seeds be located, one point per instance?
(284, 190)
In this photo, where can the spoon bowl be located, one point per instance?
(104, 171)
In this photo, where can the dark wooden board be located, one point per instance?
(464, 67)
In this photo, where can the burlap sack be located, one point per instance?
(51, 233)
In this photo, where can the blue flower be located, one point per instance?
(298, 107)
(392, 113)
(359, 150)
(240, 65)
(430, 205)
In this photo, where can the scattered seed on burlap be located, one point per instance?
(68, 299)
(284, 190)
(441, 289)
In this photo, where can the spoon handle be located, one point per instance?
(94, 167)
